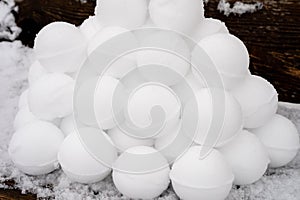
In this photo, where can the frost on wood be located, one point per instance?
(238, 7)
(8, 27)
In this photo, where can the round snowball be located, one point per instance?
(281, 138)
(51, 96)
(90, 27)
(33, 148)
(247, 157)
(23, 100)
(178, 15)
(258, 99)
(108, 101)
(146, 185)
(60, 47)
(67, 125)
(206, 178)
(126, 13)
(228, 54)
(24, 117)
(78, 164)
(230, 114)
(161, 66)
(207, 27)
(122, 141)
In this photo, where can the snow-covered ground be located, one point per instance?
(15, 59)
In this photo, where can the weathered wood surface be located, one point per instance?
(272, 34)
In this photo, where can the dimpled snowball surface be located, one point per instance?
(78, 164)
(247, 157)
(201, 178)
(51, 96)
(281, 138)
(142, 185)
(33, 148)
(60, 47)
(126, 13)
(178, 15)
(258, 99)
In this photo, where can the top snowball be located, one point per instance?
(126, 13)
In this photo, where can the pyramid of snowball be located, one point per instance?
(253, 138)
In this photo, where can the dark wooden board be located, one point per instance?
(272, 35)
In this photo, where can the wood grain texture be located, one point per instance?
(272, 35)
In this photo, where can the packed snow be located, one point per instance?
(238, 7)
(15, 59)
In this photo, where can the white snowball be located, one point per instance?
(68, 125)
(207, 27)
(281, 138)
(147, 185)
(161, 66)
(109, 90)
(258, 99)
(247, 157)
(123, 141)
(33, 148)
(23, 117)
(231, 116)
(178, 15)
(228, 54)
(125, 13)
(36, 71)
(23, 100)
(90, 27)
(51, 96)
(78, 164)
(207, 178)
(145, 98)
(60, 47)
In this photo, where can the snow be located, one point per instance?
(8, 27)
(15, 59)
(238, 7)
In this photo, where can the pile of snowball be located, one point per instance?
(253, 137)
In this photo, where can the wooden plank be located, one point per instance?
(272, 34)
(12, 194)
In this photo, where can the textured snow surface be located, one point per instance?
(279, 184)
(8, 27)
(238, 7)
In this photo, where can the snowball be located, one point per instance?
(90, 27)
(23, 100)
(161, 66)
(178, 15)
(207, 27)
(280, 136)
(23, 117)
(229, 117)
(143, 100)
(247, 157)
(78, 164)
(123, 141)
(60, 47)
(108, 101)
(68, 125)
(206, 178)
(258, 99)
(51, 96)
(36, 71)
(126, 13)
(33, 148)
(228, 54)
(142, 184)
